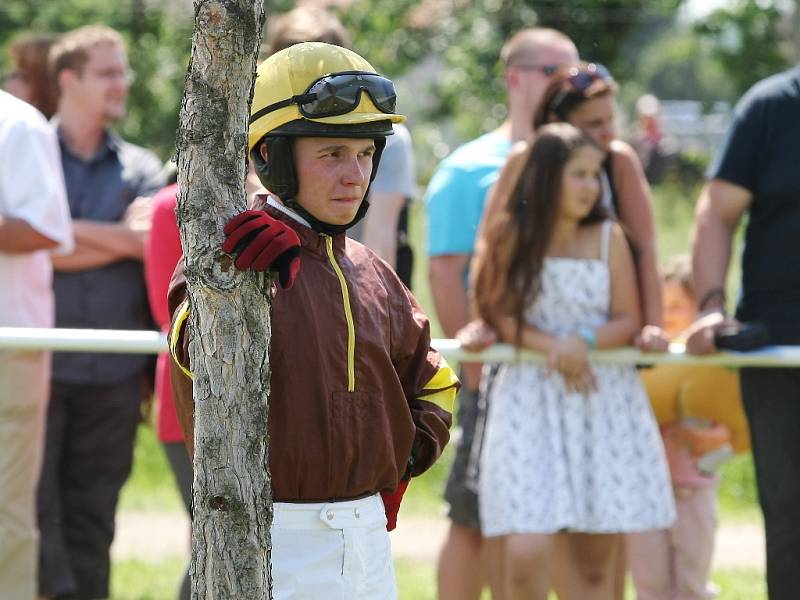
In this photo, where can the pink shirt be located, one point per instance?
(162, 252)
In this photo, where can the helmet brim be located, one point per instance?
(342, 128)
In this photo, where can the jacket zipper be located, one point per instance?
(348, 313)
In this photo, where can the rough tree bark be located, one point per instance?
(230, 317)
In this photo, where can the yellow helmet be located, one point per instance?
(315, 89)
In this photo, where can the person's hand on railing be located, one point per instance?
(700, 334)
(570, 357)
(477, 336)
(652, 339)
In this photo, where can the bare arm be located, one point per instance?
(117, 240)
(380, 224)
(17, 236)
(446, 278)
(532, 337)
(636, 215)
(625, 318)
(82, 258)
(98, 243)
(719, 210)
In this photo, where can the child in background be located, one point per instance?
(702, 423)
(569, 447)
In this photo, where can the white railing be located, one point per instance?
(153, 342)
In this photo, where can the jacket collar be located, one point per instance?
(309, 239)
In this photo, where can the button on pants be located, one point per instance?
(332, 551)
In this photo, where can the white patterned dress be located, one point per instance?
(555, 460)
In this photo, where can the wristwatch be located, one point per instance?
(588, 336)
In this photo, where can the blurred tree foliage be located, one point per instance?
(750, 40)
(680, 65)
(159, 43)
(448, 52)
(467, 36)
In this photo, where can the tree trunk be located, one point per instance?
(230, 317)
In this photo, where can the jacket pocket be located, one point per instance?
(362, 454)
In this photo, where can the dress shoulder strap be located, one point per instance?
(606, 234)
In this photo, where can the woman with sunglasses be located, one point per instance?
(584, 96)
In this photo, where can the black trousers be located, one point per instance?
(772, 402)
(87, 459)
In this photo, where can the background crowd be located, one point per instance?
(518, 231)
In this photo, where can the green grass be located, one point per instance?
(141, 580)
(151, 486)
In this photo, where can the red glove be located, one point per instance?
(391, 503)
(263, 243)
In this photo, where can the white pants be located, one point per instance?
(332, 551)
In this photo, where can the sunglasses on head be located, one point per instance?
(339, 94)
(580, 79)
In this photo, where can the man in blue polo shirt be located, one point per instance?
(756, 173)
(95, 398)
(455, 198)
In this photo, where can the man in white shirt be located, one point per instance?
(34, 220)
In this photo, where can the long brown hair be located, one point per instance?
(509, 261)
(29, 54)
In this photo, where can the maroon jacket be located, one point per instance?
(356, 389)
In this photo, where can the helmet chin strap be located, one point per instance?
(322, 226)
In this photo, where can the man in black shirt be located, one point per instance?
(757, 173)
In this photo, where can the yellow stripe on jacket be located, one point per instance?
(174, 337)
(348, 315)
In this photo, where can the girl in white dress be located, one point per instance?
(569, 447)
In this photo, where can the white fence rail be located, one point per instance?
(153, 342)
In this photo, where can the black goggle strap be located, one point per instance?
(298, 99)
